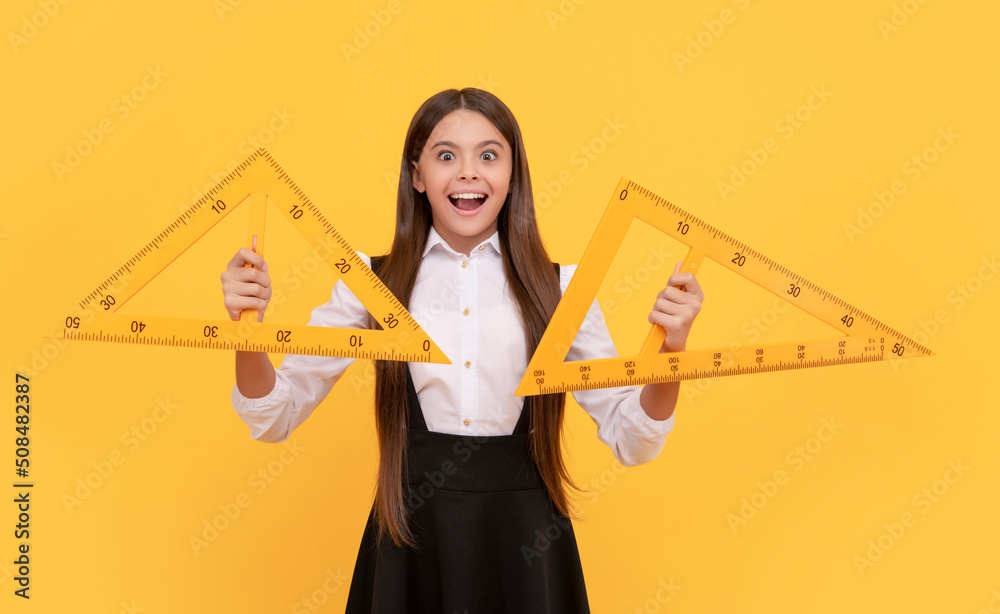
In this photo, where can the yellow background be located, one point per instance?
(335, 119)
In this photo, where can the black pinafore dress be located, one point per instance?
(490, 540)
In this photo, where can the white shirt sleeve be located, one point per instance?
(302, 382)
(622, 424)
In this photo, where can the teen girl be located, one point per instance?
(469, 475)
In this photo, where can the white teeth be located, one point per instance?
(468, 195)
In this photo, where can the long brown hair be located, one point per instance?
(531, 279)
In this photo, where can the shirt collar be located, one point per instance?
(433, 239)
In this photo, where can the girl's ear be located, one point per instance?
(418, 181)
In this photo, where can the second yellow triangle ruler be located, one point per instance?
(865, 338)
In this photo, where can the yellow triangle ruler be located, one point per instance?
(865, 338)
(257, 181)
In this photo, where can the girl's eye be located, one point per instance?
(489, 155)
(445, 156)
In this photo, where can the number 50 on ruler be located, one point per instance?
(864, 339)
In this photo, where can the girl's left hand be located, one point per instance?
(675, 309)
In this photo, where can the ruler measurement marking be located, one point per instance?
(630, 201)
(258, 174)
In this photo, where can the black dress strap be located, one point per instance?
(524, 421)
(416, 414)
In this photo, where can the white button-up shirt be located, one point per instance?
(464, 304)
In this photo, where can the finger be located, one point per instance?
(688, 281)
(235, 292)
(246, 256)
(238, 259)
(242, 275)
(692, 287)
(676, 295)
(672, 308)
(247, 289)
(237, 305)
(680, 279)
(671, 323)
(236, 298)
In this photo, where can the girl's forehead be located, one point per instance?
(465, 126)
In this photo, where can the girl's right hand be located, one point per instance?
(246, 288)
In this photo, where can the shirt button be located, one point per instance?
(465, 312)
(468, 363)
(465, 263)
(482, 247)
(465, 422)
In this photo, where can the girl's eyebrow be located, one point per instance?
(454, 146)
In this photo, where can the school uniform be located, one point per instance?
(489, 537)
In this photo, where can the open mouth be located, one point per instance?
(467, 201)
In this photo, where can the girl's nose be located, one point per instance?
(468, 172)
